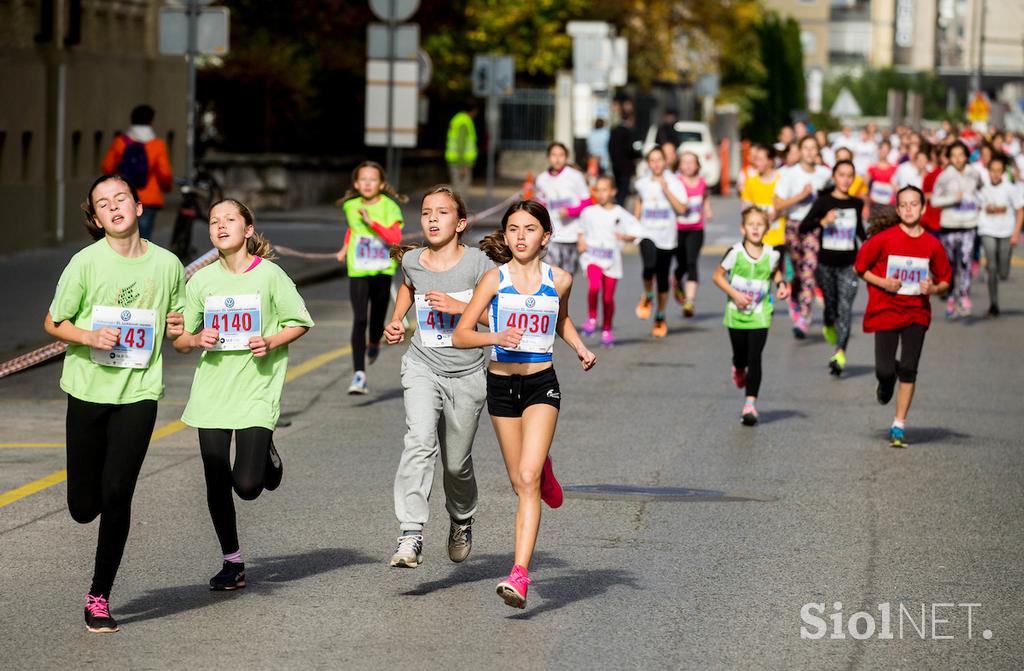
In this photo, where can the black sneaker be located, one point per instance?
(231, 577)
(275, 469)
(97, 615)
(884, 391)
(993, 312)
(460, 539)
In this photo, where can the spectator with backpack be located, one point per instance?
(142, 159)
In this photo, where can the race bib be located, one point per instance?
(536, 315)
(881, 192)
(693, 212)
(909, 270)
(560, 204)
(602, 253)
(841, 235)
(436, 327)
(657, 217)
(371, 254)
(966, 206)
(756, 290)
(236, 318)
(135, 344)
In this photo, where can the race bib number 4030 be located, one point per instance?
(909, 270)
(535, 315)
(436, 327)
(134, 345)
(236, 318)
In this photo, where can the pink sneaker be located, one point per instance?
(966, 307)
(749, 414)
(739, 377)
(97, 615)
(513, 588)
(607, 339)
(550, 490)
(589, 327)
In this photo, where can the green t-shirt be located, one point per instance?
(97, 276)
(754, 278)
(234, 389)
(367, 253)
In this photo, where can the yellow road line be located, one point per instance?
(39, 485)
(170, 429)
(21, 445)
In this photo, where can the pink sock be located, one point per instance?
(235, 557)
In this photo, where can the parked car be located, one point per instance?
(695, 137)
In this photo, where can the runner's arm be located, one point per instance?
(466, 336)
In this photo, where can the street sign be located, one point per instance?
(394, 10)
(592, 52)
(406, 41)
(212, 30)
(403, 88)
(978, 108)
(426, 69)
(708, 85)
(493, 75)
(845, 105)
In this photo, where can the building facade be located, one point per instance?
(72, 70)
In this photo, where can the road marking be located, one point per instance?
(11, 446)
(174, 427)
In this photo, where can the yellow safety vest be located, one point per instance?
(452, 153)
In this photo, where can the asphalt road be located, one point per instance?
(709, 567)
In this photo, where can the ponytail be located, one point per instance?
(885, 219)
(494, 246)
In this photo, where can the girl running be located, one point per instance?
(903, 267)
(115, 302)
(243, 311)
(837, 215)
(374, 224)
(745, 275)
(528, 304)
(690, 227)
(999, 225)
(881, 187)
(660, 198)
(759, 190)
(445, 388)
(794, 194)
(604, 227)
(564, 190)
(956, 195)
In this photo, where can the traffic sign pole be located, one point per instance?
(190, 90)
(492, 138)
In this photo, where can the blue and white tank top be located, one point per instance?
(536, 314)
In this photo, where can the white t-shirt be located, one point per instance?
(865, 155)
(982, 171)
(730, 257)
(792, 181)
(599, 226)
(657, 218)
(565, 190)
(1005, 195)
(907, 175)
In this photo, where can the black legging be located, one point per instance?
(252, 447)
(106, 445)
(887, 369)
(657, 263)
(373, 291)
(747, 345)
(688, 255)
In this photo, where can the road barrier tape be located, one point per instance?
(55, 349)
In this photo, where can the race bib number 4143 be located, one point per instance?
(236, 318)
(909, 270)
(535, 315)
(134, 345)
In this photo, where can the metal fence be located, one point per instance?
(527, 119)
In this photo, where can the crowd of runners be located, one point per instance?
(912, 214)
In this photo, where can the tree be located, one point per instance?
(871, 88)
(781, 82)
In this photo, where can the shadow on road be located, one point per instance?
(388, 395)
(769, 416)
(484, 567)
(578, 585)
(933, 434)
(857, 371)
(263, 575)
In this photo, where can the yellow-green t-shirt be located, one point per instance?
(234, 389)
(367, 253)
(99, 276)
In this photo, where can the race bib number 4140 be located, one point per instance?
(134, 345)
(535, 315)
(236, 318)
(909, 270)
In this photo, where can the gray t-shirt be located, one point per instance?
(434, 327)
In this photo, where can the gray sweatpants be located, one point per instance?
(997, 264)
(442, 413)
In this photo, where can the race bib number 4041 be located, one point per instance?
(236, 318)
(134, 346)
(535, 315)
(436, 327)
(909, 270)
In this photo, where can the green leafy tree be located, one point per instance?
(779, 83)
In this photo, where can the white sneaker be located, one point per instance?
(408, 554)
(358, 385)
